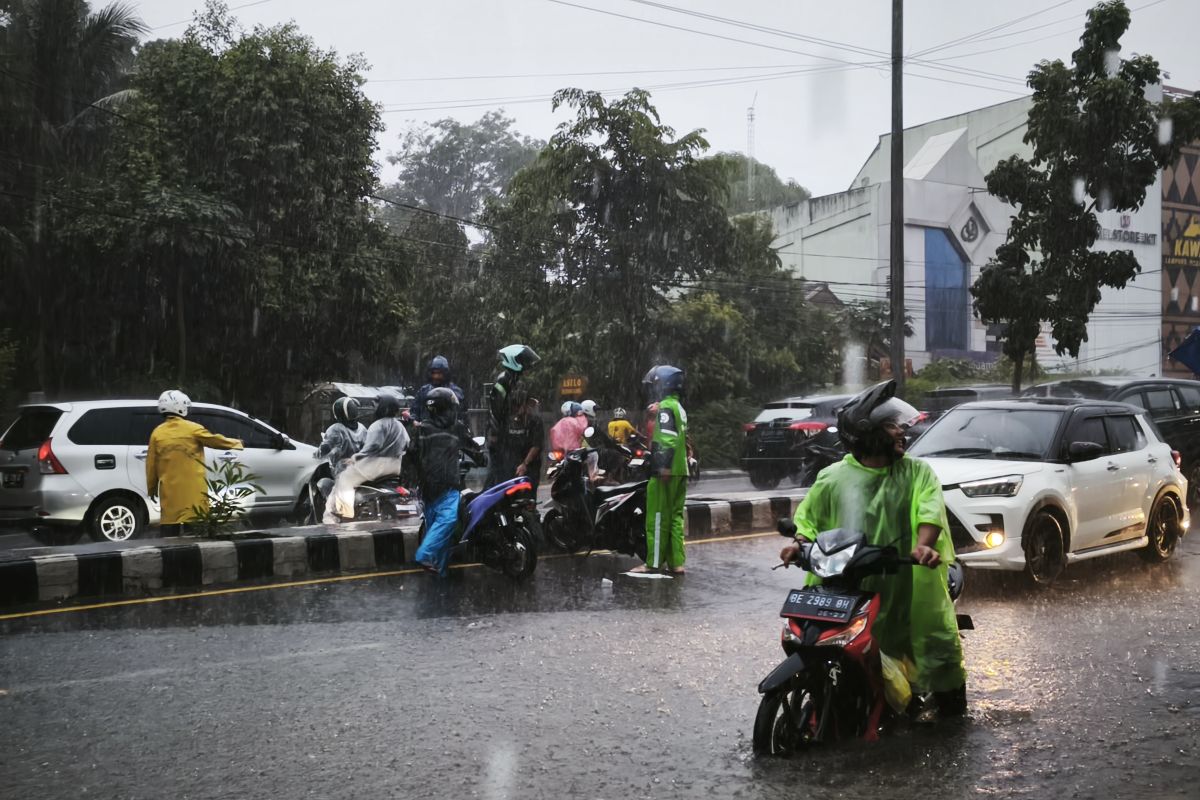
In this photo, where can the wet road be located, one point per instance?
(410, 687)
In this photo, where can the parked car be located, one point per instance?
(938, 401)
(1173, 404)
(775, 443)
(1035, 484)
(70, 468)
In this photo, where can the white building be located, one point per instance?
(952, 228)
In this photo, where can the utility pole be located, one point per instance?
(750, 150)
(897, 220)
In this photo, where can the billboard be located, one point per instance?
(1180, 254)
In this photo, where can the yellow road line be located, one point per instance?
(315, 582)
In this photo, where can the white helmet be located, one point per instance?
(565, 410)
(173, 401)
(589, 408)
(619, 413)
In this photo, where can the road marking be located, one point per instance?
(318, 581)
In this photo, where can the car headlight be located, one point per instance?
(1008, 486)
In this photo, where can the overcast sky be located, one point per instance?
(820, 101)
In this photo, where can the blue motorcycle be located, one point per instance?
(496, 527)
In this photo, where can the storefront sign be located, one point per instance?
(573, 386)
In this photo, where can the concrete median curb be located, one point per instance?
(140, 569)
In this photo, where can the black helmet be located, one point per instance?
(346, 410)
(661, 381)
(436, 363)
(388, 406)
(441, 402)
(517, 357)
(860, 422)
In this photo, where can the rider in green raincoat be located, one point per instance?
(895, 501)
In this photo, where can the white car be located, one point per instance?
(1037, 484)
(67, 468)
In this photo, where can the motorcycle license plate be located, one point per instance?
(14, 479)
(636, 462)
(814, 604)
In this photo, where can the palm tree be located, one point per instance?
(61, 67)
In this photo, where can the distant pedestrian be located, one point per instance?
(519, 452)
(620, 429)
(175, 469)
(514, 360)
(667, 492)
(567, 434)
(437, 375)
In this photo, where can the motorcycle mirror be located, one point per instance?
(589, 432)
(786, 527)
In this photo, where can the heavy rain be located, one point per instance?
(576, 399)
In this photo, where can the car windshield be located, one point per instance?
(1089, 390)
(776, 411)
(1018, 434)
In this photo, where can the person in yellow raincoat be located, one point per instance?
(894, 500)
(175, 471)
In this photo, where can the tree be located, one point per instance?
(453, 168)
(769, 191)
(592, 237)
(1098, 143)
(63, 65)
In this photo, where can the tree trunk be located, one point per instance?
(1018, 362)
(180, 323)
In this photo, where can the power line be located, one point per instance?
(187, 21)
(978, 34)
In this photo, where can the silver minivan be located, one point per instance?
(71, 468)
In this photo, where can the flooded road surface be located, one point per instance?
(574, 687)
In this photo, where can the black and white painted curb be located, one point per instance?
(163, 569)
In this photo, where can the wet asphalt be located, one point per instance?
(409, 686)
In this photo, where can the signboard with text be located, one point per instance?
(573, 386)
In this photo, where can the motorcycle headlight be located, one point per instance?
(845, 637)
(1008, 486)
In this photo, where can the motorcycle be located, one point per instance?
(831, 684)
(580, 515)
(382, 499)
(497, 527)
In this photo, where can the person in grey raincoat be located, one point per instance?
(380, 456)
(344, 437)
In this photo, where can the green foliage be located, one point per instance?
(1094, 135)
(715, 429)
(8, 360)
(769, 190)
(230, 484)
(454, 168)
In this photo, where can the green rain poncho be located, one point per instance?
(916, 617)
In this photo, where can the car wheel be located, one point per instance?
(116, 519)
(1045, 548)
(765, 478)
(1163, 531)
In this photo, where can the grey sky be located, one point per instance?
(816, 128)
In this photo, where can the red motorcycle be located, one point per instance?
(831, 684)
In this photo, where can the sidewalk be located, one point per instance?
(54, 575)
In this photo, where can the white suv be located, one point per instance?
(67, 468)
(1036, 484)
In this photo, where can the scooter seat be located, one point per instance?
(604, 492)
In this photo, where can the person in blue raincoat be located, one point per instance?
(895, 500)
(436, 375)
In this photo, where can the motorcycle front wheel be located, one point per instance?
(786, 722)
(558, 531)
(520, 555)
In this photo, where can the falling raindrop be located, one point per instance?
(1080, 191)
(254, 323)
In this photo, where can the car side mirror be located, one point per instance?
(1084, 451)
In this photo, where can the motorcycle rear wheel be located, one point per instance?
(557, 530)
(785, 722)
(520, 556)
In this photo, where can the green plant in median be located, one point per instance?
(229, 484)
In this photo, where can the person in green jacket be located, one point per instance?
(667, 491)
(895, 500)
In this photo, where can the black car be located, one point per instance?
(1173, 404)
(782, 434)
